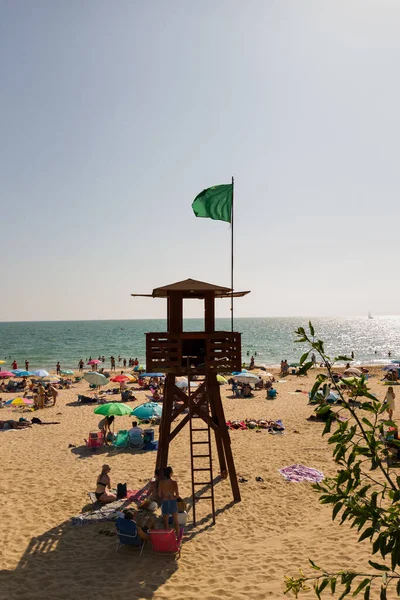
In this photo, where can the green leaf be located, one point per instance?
(336, 510)
(311, 328)
(304, 356)
(361, 586)
(378, 566)
(333, 585)
(383, 595)
(398, 588)
(369, 532)
(346, 591)
(314, 566)
(367, 593)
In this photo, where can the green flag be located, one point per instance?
(215, 203)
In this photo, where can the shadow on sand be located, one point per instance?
(69, 562)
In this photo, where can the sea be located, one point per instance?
(269, 339)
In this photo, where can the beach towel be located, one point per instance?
(236, 425)
(109, 512)
(301, 473)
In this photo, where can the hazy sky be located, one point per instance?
(115, 115)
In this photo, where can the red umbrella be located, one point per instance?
(120, 378)
(6, 374)
(94, 361)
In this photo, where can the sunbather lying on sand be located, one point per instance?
(10, 424)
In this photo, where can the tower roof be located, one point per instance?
(191, 288)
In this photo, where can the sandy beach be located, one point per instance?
(254, 544)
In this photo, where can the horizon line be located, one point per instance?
(198, 318)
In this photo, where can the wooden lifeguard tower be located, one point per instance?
(199, 355)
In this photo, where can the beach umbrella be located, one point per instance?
(41, 373)
(66, 372)
(294, 364)
(353, 371)
(2, 362)
(5, 374)
(390, 368)
(183, 383)
(148, 410)
(22, 373)
(139, 368)
(246, 378)
(20, 402)
(117, 409)
(151, 374)
(120, 378)
(94, 361)
(51, 379)
(95, 378)
(239, 372)
(396, 361)
(221, 379)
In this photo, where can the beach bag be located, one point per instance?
(181, 505)
(121, 490)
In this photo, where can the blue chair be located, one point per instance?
(271, 393)
(128, 534)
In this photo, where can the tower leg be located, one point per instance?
(218, 441)
(224, 435)
(165, 425)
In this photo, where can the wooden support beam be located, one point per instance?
(219, 413)
(165, 425)
(177, 429)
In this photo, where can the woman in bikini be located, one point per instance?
(104, 483)
(169, 494)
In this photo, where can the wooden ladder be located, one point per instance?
(200, 438)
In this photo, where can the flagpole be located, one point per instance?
(232, 256)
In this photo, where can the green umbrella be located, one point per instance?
(113, 408)
(66, 372)
(294, 364)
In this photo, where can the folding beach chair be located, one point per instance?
(122, 440)
(95, 440)
(128, 535)
(136, 440)
(164, 541)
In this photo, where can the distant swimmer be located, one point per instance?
(389, 354)
(352, 355)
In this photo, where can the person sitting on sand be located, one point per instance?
(102, 485)
(247, 391)
(156, 396)
(389, 402)
(168, 492)
(135, 434)
(130, 516)
(105, 427)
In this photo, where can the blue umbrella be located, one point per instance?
(152, 375)
(22, 373)
(396, 362)
(390, 368)
(147, 411)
